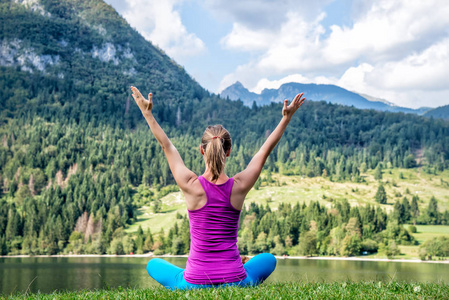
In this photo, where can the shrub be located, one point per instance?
(369, 245)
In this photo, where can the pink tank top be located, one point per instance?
(214, 257)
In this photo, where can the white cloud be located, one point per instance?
(394, 49)
(160, 23)
(263, 14)
(354, 79)
(292, 48)
(428, 70)
(283, 51)
(265, 83)
(388, 30)
(420, 79)
(245, 39)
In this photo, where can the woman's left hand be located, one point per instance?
(144, 104)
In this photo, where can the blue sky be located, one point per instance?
(397, 50)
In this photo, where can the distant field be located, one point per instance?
(171, 204)
(424, 233)
(296, 188)
(293, 189)
(427, 232)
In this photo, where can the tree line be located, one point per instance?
(300, 229)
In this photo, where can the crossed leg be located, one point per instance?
(170, 276)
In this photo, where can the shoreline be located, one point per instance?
(150, 254)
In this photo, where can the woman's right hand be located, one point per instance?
(144, 104)
(289, 111)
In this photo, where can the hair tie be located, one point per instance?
(216, 137)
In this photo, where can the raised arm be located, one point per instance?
(246, 179)
(180, 172)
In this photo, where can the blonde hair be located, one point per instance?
(216, 141)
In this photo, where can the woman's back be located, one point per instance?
(214, 257)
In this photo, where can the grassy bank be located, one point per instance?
(301, 290)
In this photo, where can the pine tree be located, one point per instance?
(3, 247)
(139, 240)
(432, 211)
(398, 211)
(414, 207)
(406, 208)
(378, 172)
(149, 241)
(381, 195)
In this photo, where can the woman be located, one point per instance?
(214, 202)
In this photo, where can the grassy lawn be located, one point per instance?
(293, 189)
(300, 290)
(424, 233)
(427, 232)
(409, 252)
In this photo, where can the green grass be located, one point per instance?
(171, 204)
(435, 229)
(428, 232)
(424, 233)
(408, 252)
(293, 189)
(301, 290)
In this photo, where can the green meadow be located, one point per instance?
(398, 183)
(428, 232)
(300, 290)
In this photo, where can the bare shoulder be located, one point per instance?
(239, 183)
(194, 194)
(242, 183)
(238, 192)
(192, 187)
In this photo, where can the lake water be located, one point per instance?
(75, 273)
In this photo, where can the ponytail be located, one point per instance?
(216, 141)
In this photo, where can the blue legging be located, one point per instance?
(170, 276)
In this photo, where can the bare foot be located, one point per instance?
(244, 259)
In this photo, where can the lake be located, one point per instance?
(47, 274)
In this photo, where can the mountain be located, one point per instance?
(441, 112)
(316, 92)
(83, 51)
(419, 111)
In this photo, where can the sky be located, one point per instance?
(396, 50)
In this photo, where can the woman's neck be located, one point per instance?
(221, 179)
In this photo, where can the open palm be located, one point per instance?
(144, 104)
(289, 111)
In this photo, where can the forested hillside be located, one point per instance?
(75, 150)
(74, 61)
(441, 112)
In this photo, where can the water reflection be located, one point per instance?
(64, 273)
